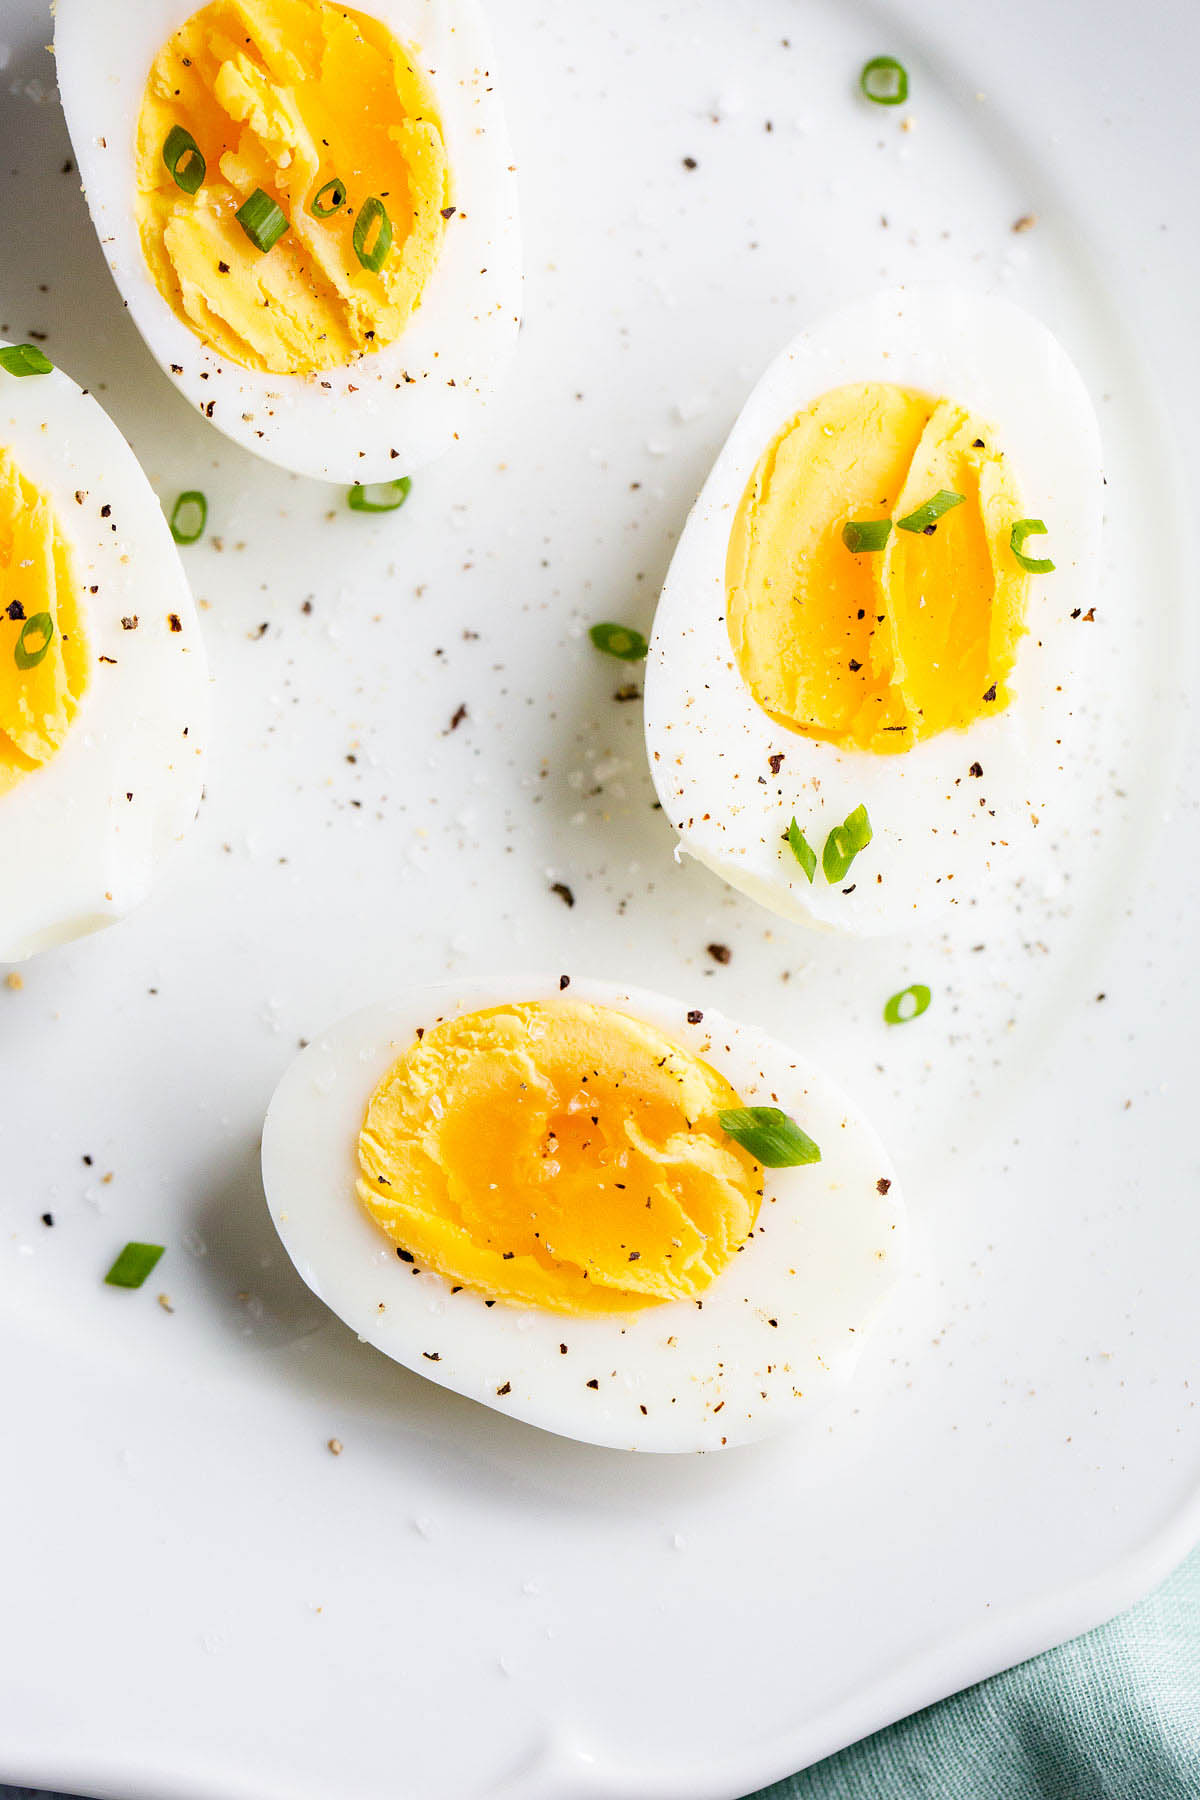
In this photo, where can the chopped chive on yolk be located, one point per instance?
(560, 1155)
(43, 651)
(313, 117)
(872, 592)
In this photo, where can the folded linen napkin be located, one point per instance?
(1114, 1715)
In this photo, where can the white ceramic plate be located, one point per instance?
(201, 1599)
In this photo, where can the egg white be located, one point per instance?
(398, 408)
(778, 1332)
(83, 833)
(940, 834)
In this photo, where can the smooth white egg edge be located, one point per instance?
(846, 1237)
(458, 345)
(78, 853)
(704, 730)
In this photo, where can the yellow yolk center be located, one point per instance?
(43, 654)
(877, 650)
(558, 1155)
(287, 96)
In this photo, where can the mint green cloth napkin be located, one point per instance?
(1115, 1715)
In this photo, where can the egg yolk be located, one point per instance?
(43, 654)
(558, 1155)
(877, 650)
(289, 96)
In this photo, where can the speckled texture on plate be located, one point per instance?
(420, 767)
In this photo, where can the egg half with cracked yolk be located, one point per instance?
(867, 651)
(310, 211)
(621, 1218)
(103, 681)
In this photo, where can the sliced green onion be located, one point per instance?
(771, 1137)
(378, 496)
(24, 359)
(133, 1265)
(924, 517)
(38, 625)
(180, 144)
(844, 843)
(336, 189)
(866, 534)
(908, 1004)
(619, 640)
(885, 81)
(802, 850)
(372, 211)
(1027, 528)
(189, 516)
(262, 221)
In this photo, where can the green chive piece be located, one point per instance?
(844, 843)
(189, 516)
(133, 1265)
(372, 212)
(37, 625)
(885, 81)
(908, 1004)
(619, 640)
(866, 534)
(1027, 528)
(184, 158)
(802, 850)
(771, 1137)
(336, 190)
(924, 518)
(379, 496)
(262, 221)
(25, 359)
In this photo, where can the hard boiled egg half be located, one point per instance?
(626, 1220)
(310, 212)
(103, 682)
(867, 652)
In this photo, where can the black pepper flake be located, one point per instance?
(635, 1256)
(129, 623)
(15, 610)
(432, 1355)
(775, 762)
(562, 1349)
(563, 891)
(928, 530)
(106, 512)
(855, 665)
(689, 162)
(87, 1159)
(593, 1383)
(223, 267)
(720, 953)
(883, 1184)
(108, 659)
(774, 1322)
(176, 623)
(457, 717)
(975, 769)
(506, 1389)
(47, 1218)
(978, 444)
(695, 1016)
(448, 212)
(991, 693)
(564, 981)
(404, 1255)
(507, 1255)
(489, 1303)
(631, 691)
